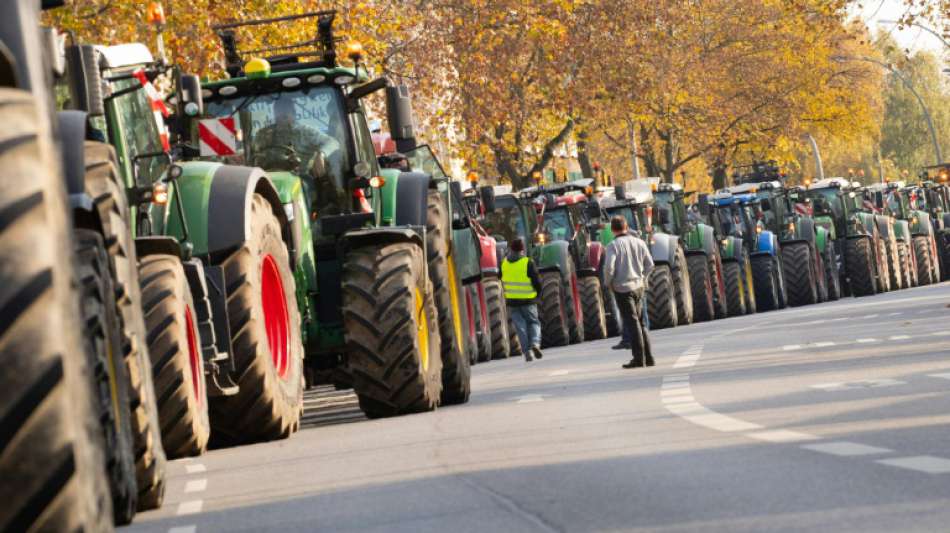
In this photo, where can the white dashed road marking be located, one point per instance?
(899, 337)
(559, 373)
(183, 529)
(845, 448)
(921, 463)
(196, 485)
(823, 344)
(189, 507)
(782, 435)
(941, 376)
(529, 398)
(865, 341)
(195, 468)
(791, 347)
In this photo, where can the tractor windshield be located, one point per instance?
(826, 201)
(664, 203)
(506, 221)
(557, 223)
(627, 213)
(302, 131)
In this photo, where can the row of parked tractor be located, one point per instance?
(755, 246)
(181, 259)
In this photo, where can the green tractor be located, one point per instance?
(738, 231)
(568, 213)
(508, 215)
(367, 246)
(706, 267)
(914, 231)
(933, 196)
(803, 274)
(839, 206)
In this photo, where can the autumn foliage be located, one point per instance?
(504, 85)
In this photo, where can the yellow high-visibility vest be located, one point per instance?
(515, 280)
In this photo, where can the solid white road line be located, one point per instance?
(782, 435)
(196, 485)
(183, 529)
(189, 507)
(921, 463)
(196, 468)
(845, 448)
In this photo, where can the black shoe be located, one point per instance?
(527, 358)
(634, 364)
(537, 352)
(651, 362)
(622, 346)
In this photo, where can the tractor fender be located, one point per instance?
(923, 226)
(663, 248)
(821, 239)
(804, 230)
(732, 249)
(216, 199)
(766, 244)
(595, 256)
(883, 226)
(902, 230)
(157, 244)
(489, 258)
(381, 235)
(553, 256)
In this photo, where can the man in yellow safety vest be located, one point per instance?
(522, 285)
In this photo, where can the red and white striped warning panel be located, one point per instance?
(159, 110)
(218, 136)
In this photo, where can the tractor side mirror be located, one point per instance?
(85, 81)
(461, 223)
(399, 115)
(191, 103)
(620, 192)
(487, 196)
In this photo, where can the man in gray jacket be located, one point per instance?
(627, 267)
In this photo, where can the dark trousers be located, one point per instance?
(631, 307)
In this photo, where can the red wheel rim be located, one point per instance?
(276, 318)
(194, 356)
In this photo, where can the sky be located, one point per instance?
(912, 38)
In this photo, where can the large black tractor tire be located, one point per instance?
(592, 303)
(883, 274)
(748, 287)
(894, 267)
(904, 265)
(553, 311)
(174, 344)
(859, 258)
(943, 248)
(449, 304)
(482, 331)
(925, 261)
(661, 298)
(700, 280)
(719, 291)
(684, 292)
(103, 183)
(575, 310)
(498, 319)
(735, 296)
(54, 473)
(765, 281)
(100, 322)
(513, 341)
(799, 270)
(391, 327)
(265, 338)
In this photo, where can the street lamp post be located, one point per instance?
(910, 87)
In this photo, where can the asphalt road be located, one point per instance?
(833, 417)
